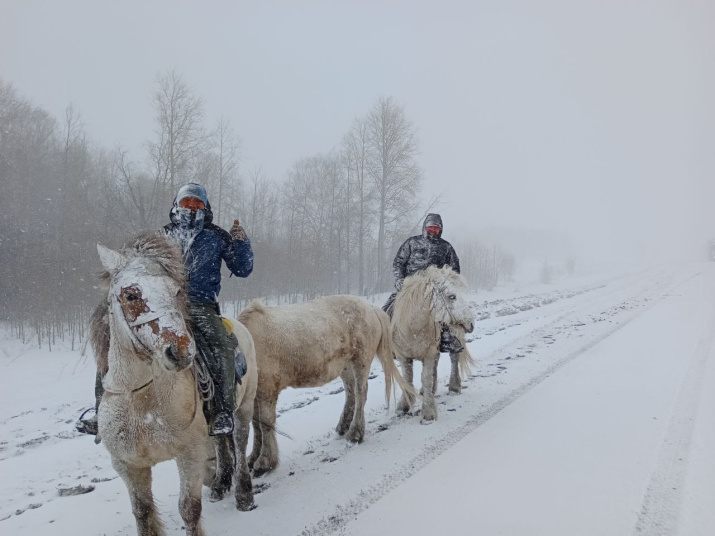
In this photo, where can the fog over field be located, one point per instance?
(569, 147)
(591, 119)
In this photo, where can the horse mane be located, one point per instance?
(420, 287)
(154, 246)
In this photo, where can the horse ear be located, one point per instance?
(111, 260)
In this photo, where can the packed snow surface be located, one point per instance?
(591, 411)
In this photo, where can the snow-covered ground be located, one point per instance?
(592, 411)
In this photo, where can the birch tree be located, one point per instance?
(393, 147)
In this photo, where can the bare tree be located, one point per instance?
(180, 135)
(359, 192)
(391, 163)
(226, 144)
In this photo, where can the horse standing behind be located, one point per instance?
(151, 410)
(428, 298)
(309, 345)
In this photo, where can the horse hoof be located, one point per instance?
(454, 392)
(245, 504)
(354, 437)
(426, 421)
(216, 495)
(260, 470)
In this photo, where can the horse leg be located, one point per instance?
(138, 482)
(191, 474)
(257, 437)
(268, 459)
(242, 475)
(356, 433)
(225, 467)
(407, 373)
(434, 382)
(429, 407)
(348, 377)
(455, 382)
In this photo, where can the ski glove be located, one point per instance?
(237, 232)
(398, 284)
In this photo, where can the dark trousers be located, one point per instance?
(215, 347)
(390, 304)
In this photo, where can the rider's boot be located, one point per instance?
(449, 343)
(389, 306)
(221, 422)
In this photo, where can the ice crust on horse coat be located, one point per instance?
(153, 246)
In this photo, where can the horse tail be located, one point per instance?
(386, 355)
(466, 362)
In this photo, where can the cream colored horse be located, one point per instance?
(428, 298)
(309, 345)
(151, 410)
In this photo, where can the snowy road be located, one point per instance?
(592, 411)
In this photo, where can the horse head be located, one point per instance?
(147, 302)
(446, 287)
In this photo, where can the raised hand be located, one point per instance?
(237, 232)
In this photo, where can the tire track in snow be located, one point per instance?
(664, 496)
(337, 521)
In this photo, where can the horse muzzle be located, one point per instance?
(179, 353)
(468, 327)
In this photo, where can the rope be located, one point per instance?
(204, 381)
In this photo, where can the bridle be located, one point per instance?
(439, 291)
(141, 320)
(142, 351)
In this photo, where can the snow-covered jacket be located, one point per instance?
(419, 252)
(203, 258)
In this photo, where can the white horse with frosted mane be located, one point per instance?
(428, 299)
(151, 410)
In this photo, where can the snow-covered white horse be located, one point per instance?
(427, 299)
(309, 345)
(151, 410)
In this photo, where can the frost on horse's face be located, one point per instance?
(149, 302)
(450, 307)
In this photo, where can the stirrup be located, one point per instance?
(88, 426)
(222, 424)
(450, 345)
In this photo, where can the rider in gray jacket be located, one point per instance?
(417, 253)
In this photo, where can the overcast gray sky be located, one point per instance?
(595, 118)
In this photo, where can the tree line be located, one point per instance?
(331, 226)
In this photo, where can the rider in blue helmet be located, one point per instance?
(204, 246)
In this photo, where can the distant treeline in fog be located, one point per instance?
(332, 226)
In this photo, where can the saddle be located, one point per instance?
(240, 358)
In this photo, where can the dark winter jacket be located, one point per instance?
(419, 252)
(203, 258)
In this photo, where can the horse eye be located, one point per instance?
(452, 296)
(131, 297)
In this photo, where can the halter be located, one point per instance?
(139, 321)
(440, 292)
(138, 345)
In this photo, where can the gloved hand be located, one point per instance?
(237, 232)
(398, 284)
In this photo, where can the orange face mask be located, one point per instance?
(192, 203)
